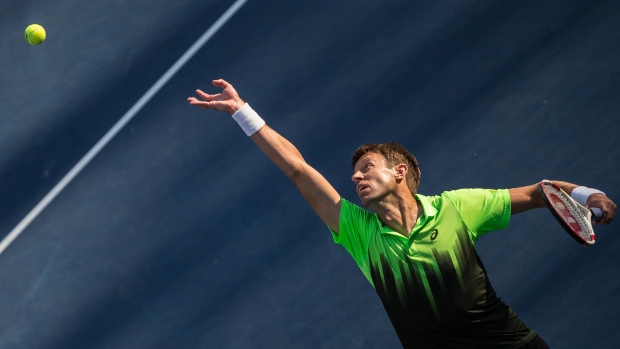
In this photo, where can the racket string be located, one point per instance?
(575, 217)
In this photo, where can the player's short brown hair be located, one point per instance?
(394, 154)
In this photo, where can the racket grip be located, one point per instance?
(597, 214)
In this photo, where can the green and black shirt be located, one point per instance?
(432, 284)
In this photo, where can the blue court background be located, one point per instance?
(181, 234)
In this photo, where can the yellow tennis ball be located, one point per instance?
(34, 34)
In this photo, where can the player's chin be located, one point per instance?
(365, 200)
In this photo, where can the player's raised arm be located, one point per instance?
(528, 197)
(319, 193)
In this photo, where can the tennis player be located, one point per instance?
(417, 251)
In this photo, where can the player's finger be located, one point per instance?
(202, 104)
(194, 101)
(609, 213)
(206, 96)
(608, 217)
(221, 83)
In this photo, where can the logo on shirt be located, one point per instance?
(434, 234)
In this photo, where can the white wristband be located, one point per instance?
(581, 194)
(248, 119)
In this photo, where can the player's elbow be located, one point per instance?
(297, 172)
(525, 199)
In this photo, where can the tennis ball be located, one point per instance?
(34, 34)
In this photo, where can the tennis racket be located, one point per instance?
(573, 217)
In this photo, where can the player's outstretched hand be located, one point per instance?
(605, 204)
(227, 101)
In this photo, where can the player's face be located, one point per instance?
(373, 179)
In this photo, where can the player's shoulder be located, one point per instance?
(347, 208)
(471, 194)
(354, 218)
(456, 194)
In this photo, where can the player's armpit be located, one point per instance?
(320, 195)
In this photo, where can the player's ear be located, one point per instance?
(400, 171)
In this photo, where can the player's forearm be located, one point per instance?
(581, 195)
(567, 187)
(317, 191)
(282, 152)
(526, 198)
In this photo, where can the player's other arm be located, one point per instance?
(317, 191)
(526, 198)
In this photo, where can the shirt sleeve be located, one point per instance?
(356, 226)
(482, 210)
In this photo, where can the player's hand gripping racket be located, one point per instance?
(574, 218)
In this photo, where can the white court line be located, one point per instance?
(34, 213)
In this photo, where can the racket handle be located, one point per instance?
(597, 214)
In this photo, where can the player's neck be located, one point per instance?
(399, 213)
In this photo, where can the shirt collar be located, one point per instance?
(429, 210)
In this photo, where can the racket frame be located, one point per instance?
(587, 214)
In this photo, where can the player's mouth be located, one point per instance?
(361, 187)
